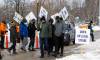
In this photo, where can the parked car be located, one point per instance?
(69, 35)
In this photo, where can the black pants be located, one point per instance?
(92, 36)
(59, 44)
(2, 42)
(31, 44)
(13, 46)
(42, 43)
(50, 45)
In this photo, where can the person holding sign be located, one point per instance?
(59, 33)
(91, 30)
(31, 34)
(50, 36)
(43, 36)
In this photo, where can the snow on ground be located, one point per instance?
(85, 52)
(96, 28)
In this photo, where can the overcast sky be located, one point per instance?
(1, 2)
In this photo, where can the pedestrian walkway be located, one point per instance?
(72, 52)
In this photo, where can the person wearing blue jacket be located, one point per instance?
(24, 34)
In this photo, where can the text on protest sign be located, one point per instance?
(43, 12)
(18, 18)
(64, 13)
(30, 16)
(82, 36)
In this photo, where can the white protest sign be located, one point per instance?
(43, 12)
(18, 18)
(30, 16)
(82, 36)
(54, 16)
(64, 13)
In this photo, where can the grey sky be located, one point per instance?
(1, 2)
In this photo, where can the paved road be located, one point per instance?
(69, 50)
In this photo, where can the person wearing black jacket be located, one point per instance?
(91, 30)
(50, 36)
(13, 38)
(31, 34)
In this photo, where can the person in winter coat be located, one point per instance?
(24, 34)
(43, 35)
(91, 30)
(59, 35)
(31, 34)
(13, 35)
(50, 36)
(2, 32)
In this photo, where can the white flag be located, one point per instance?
(54, 17)
(18, 18)
(64, 13)
(30, 16)
(43, 12)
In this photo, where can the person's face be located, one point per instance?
(58, 20)
(12, 23)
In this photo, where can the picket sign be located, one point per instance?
(64, 13)
(30, 16)
(82, 36)
(43, 12)
(18, 18)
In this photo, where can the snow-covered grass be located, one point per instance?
(91, 52)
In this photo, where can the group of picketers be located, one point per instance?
(51, 35)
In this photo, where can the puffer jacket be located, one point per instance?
(23, 30)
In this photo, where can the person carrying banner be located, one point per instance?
(13, 36)
(24, 34)
(31, 34)
(43, 36)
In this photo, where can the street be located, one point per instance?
(72, 52)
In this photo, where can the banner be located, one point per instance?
(64, 13)
(43, 12)
(30, 16)
(82, 36)
(54, 17)
(18, 18)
